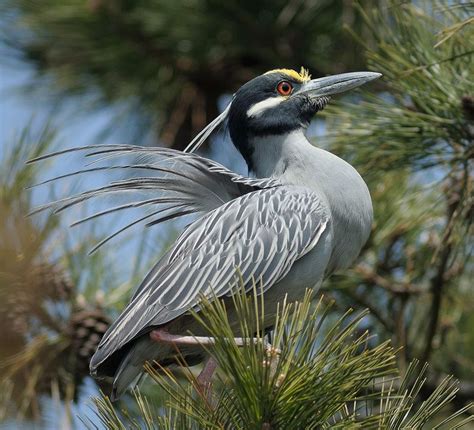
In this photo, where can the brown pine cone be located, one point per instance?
(87, 326)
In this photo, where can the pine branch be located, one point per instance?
(324, 377)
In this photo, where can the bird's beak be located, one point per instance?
(336, 84)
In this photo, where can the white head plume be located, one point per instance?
(201, 137)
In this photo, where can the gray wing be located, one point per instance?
(166, 183)
(261, 233)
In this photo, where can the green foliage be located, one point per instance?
(325, 376)
(17, 233)
(175, 58)
(40, 300)
(23, 290)
(413, 143)
(423, 119)
(406, 413)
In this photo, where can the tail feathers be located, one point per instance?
(131, 366)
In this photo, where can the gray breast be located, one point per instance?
(344, 193)
(293, 160)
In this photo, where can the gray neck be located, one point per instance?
(273, 155)
(294, 161)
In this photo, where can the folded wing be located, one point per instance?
(260, 234)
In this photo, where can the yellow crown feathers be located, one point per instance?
(302, 76)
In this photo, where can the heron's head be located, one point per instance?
(281, 101)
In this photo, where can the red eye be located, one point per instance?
(285, 88)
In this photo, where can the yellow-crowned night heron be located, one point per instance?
(304, 214)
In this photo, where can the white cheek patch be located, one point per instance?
(258, 108)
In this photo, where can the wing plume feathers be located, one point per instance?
(177, 182)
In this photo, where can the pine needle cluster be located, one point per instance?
(325, 375)
(50, 330)
(413, 143)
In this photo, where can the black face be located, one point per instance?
(269, 105)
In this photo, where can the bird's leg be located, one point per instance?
(162, 335)
(204, 378)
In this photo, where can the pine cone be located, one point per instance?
(23, 299)
(467, 103)
(53, 282)
(87, 326)
(15, 313)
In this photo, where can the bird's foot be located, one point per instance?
(271, 361)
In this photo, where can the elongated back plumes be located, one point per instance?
(174, 184)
